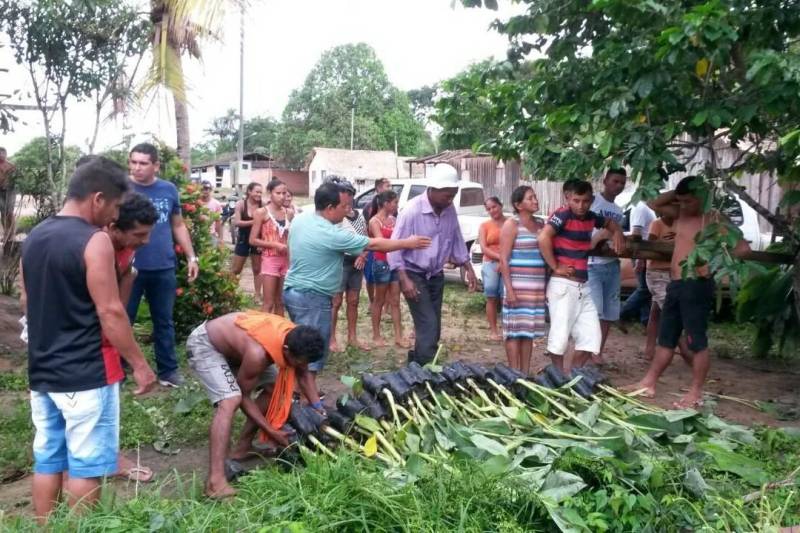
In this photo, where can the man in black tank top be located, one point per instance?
(69, 295)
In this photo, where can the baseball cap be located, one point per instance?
(443, 176)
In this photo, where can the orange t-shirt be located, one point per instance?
(659, 231)
(492, 237)
(270, 332)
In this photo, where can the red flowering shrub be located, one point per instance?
(216, 291)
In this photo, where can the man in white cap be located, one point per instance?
(421, 271)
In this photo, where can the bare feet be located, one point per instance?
(333, 347)
(355, 343)
(495, 337)
(220, 490)
(379, 342)
(640, 389)
(598, 360)
(692, 400)
(132, 471)
(403, 343)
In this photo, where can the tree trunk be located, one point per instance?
(184, 146)
(796, 283)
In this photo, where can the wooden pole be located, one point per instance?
(662, 251)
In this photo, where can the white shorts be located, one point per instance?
(572, 314)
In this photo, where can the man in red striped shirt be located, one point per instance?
(564, 243)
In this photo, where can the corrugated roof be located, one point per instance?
(230, 157)
(448, 156)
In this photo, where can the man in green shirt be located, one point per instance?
(316, 253)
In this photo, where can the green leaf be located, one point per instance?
(560, 485)
(415, 464)
(695, 483)
(489, 445)
(606, 142)
(443, 440)
(412, 442)
(589, 416)
(735, 463)
(790, 198)
(700, 118)
(496, 464)
(187, 404)
(493, 425)
(365, 422)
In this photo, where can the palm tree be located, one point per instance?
(178, 28)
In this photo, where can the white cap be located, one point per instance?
(443, 176)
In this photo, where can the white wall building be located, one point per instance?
(361, 167)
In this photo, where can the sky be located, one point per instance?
(420, 42)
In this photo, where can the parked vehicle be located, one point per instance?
(468, 203)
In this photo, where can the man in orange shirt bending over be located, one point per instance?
(234, 355)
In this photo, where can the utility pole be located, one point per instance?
(240, 155)
(352, 122)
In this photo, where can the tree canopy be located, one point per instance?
(710, 87)
(346, 78)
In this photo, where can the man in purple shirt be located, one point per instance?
(421, 271)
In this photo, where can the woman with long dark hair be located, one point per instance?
(243, 221)
(523, 272)
(387, 285)
(271, 234)
(489, 238)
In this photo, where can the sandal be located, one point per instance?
(139, 474)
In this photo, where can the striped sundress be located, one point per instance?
(525, 317)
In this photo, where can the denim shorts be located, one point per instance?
(368, 268)
(382, 274)
(76, 432)
(352, 278)
(604, 284)
(492, 280)
(309, 308)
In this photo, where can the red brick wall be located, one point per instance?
(295, 180)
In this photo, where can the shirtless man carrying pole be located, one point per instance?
(688, 301)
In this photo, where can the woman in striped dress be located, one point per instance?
(523, 272)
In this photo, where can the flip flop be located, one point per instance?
(140, 474)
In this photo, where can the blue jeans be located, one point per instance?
(604, 284)
(309, 308)
(638, 303)
(158, 286)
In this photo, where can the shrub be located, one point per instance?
(216, 291)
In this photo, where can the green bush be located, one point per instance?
(216, 291)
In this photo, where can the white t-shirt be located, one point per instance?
(641, 217)
(609, 210)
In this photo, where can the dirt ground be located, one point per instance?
(465, 336)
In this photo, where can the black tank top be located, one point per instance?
(64, 353)
(244, 232)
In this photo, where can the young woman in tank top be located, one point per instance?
(271, 232)
(243, 220)
(387, 285)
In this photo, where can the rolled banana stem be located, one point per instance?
(321, 447)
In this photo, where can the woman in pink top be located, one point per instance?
(271, 232)
(387, 286)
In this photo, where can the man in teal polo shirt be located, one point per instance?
(316, 252)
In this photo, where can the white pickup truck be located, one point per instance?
(468, 203)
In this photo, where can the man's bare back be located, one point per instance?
(231, 340)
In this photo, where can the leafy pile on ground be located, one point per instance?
(474, 454)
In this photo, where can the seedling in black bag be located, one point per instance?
(300, 420)
(374, 408)
(351, 407)
(542, 380)
(339, 422)
(555, 375)
(373, 383)
(397, 386)
(583, 386)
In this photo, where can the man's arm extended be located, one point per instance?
(379, 244)
(181, 234)
(617, 237)
(253, 365)
(101, 280)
